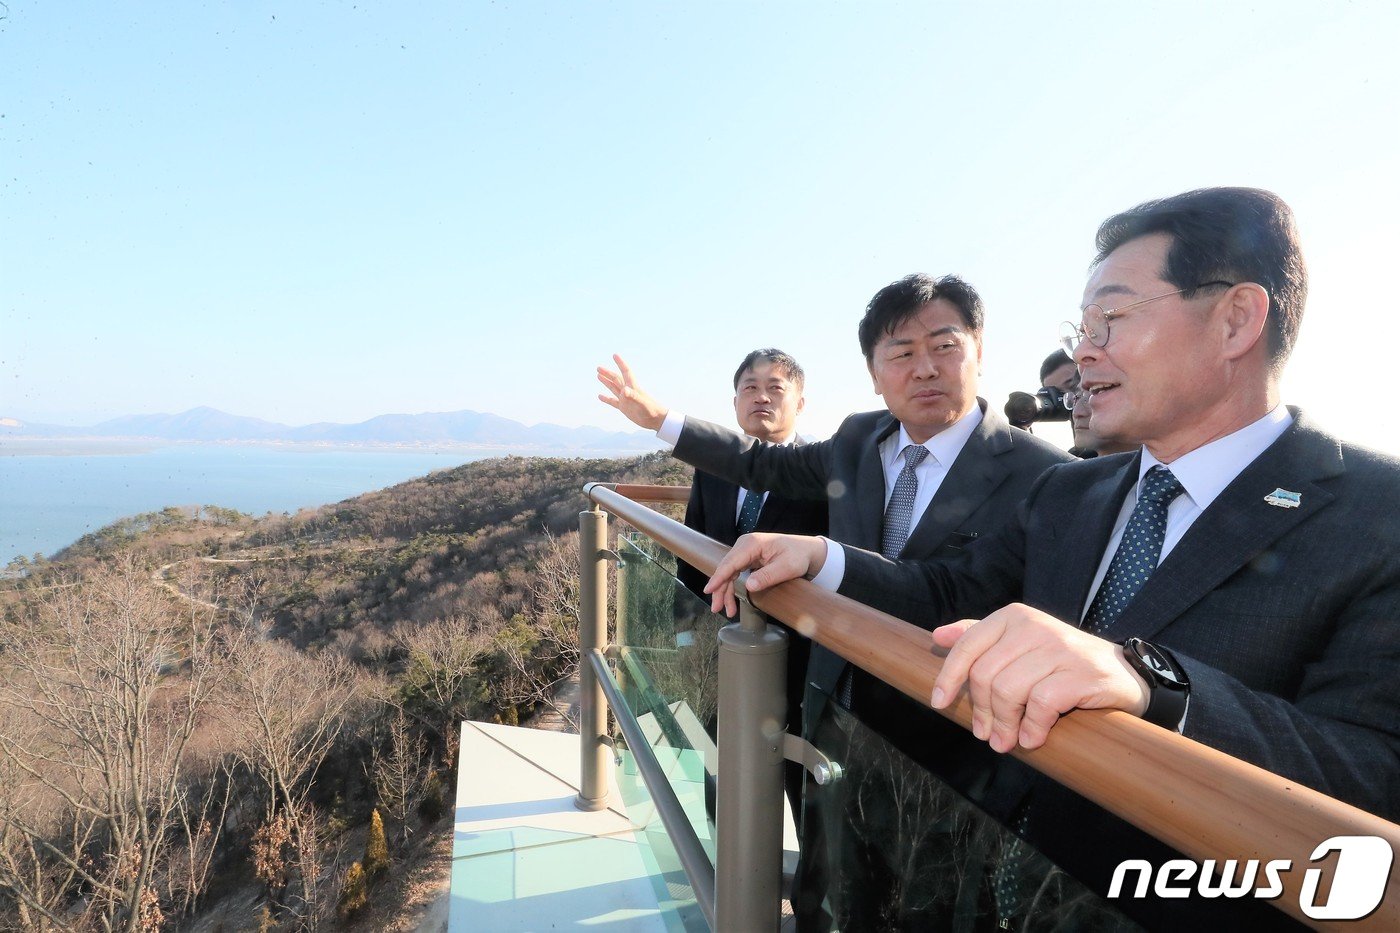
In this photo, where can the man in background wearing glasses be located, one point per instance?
(1239, 579)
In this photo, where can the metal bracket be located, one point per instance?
(608, 553)
(822, 768)
(611, 743)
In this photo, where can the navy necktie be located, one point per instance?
(748, 512)
(1138, 552)
(899, 514)
(1132, 564)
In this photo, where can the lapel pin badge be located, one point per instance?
(1284, 499)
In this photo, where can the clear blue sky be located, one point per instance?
(327, 211)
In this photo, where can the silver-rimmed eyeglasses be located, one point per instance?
(1097, 319)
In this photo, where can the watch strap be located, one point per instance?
(1166, 697)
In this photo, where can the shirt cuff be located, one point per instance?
(670, 430)
(834, 570)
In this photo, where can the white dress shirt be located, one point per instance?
(943, 448)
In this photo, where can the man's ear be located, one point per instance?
(1246, 311)
(801, 403)
(874, 382)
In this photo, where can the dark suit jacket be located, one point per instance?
(981, 490)
(711, 510)
(1286, 620)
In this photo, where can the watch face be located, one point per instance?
(1157, 662)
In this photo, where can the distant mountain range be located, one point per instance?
(465, 428)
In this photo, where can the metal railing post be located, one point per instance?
(752, 722)
(592, 633)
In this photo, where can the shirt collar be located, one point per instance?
(1206, 471)
(943, 447)
(782, 443)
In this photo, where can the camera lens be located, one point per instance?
(1045, 404)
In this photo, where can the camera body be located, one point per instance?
(1045, 404)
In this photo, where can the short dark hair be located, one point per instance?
(1229, 235)
(780, 360)
(899, 301)
(1053, 362)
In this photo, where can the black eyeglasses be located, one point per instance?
(1097, 319)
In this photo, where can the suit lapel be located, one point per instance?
(723, 503)
(1091, 519)
(973, 476)
(1235, 529)
(870, 486)
(774, 506)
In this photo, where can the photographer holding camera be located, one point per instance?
(1060, 399)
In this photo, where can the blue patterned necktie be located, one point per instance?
(748, 512)
(1132, 564)
(1138, 552)
(899, 513)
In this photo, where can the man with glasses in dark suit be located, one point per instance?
(1237, 580)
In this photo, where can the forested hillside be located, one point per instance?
(212, 721)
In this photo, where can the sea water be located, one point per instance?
(48, 501)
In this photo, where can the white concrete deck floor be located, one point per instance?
(524, 858)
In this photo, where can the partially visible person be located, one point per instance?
(768, 397)
(1058, 371)
(1086, 442)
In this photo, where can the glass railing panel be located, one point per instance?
(892, 846)
(670, 685)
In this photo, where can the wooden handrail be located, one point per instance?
(644, 492)
(1135, 770)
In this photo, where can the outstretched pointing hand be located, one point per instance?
(641, 409)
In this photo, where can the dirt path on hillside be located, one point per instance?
(562, 713)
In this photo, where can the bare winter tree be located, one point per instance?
(442, 659)
(399, 773)
(105, 681)
(201, 824)
(287, 709)
(550, 656)
(312, 898)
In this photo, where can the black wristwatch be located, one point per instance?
(1167, 684)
